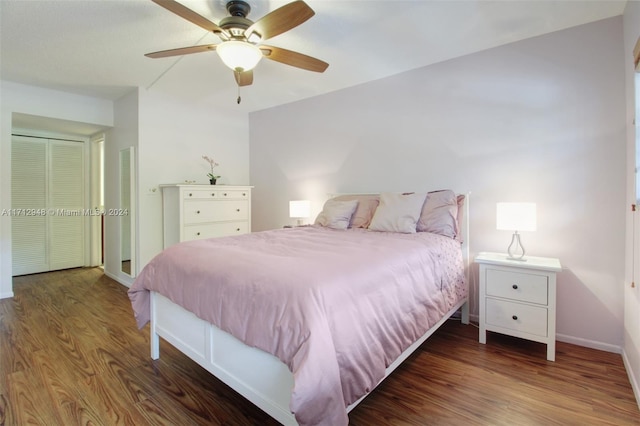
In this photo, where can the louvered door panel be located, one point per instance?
(28, 202)
(66, 196)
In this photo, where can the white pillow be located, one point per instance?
(337, 214)
(398, 212)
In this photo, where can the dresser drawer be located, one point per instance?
(214, 230)
(516, 316)
(233, 194)
(211, 193)
(201, 211)
(521, 286)
(200, 194)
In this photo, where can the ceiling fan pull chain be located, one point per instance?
(239, 98)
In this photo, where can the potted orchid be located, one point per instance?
(212, 163)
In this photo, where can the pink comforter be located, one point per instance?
(337, 307)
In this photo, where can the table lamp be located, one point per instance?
(516, 217)
(300, 209)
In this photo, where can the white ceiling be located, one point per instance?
(96, 47)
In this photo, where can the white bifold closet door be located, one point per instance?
(47, 187)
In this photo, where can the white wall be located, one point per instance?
(174, 135)
(18, 98)
(631, 352)
(539, 120)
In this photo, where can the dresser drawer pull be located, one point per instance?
(237, 210)
(213, 194)
(197, 233)
(244, 194)
(238, 229)
(190, 195)
(197, 211)
(225, 194)
(514, 317)
(515, 286)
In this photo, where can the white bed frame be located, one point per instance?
(257, 375)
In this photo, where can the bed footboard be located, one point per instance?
(258, 376)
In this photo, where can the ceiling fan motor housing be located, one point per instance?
(238, 8)
(237, 23)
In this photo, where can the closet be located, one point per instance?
(47, 204)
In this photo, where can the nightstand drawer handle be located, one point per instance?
(514, 317)
(515, 286)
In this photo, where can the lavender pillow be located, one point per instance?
(336, 214)
(367, 205)
(440, 214)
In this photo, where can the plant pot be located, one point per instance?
(212, 181)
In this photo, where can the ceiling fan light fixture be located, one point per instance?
(239, 55)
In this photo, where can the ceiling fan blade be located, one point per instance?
(294, 59)
(181, 51)
(190, 15)
(280, 20)
(243, 78)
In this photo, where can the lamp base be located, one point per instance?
(516, 249)
(519, 259)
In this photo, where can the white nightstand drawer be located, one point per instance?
(215, 230)
(527, 287)
(196, 211)
(517, 316)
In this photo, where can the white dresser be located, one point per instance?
(192, 212)
(518, 298)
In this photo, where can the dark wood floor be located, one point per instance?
(70, 354)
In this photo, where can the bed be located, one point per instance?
(309, 320)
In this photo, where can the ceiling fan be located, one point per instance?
(240, 49)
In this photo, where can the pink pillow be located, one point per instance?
(367, 205)
(398, 212)
(440, 214)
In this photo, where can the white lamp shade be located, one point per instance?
(239, 55)
(516, 216)
(299, 209)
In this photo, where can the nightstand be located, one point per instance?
(518, 298)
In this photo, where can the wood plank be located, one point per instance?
(71, 354)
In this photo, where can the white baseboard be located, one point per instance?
(607, 347)
(632, 377)
(125, 281)
(6, 295)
